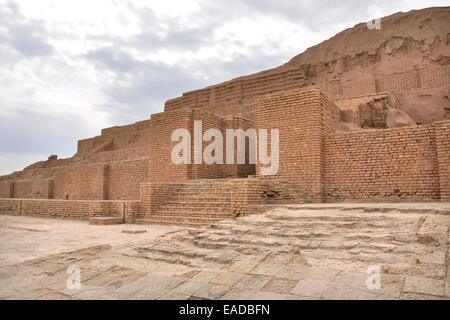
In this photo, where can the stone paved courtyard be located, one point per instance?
(303, 251)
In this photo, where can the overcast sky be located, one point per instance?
(69, 68)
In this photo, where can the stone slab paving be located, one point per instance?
(305, 253)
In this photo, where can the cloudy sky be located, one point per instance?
(69, 68)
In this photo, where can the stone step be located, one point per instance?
(196, 202)
(177, 220)
(269, 243)
(190, 254)
(195, 206)
(326, 226)
(194, 213)
(105, 220)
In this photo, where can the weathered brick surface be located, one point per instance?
(87, 182)
(390, 164)
(161, 167)
(6, 189)
(233, 96)
(302, 117)
(443, 157)
(124, 178)
(10, 206)
(70, 209)
(116, 138)
(33, 189)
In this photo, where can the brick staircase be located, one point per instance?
(195, 203)
(410, 241)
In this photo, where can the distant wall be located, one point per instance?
(33, 189)
(230, 97)
(6, 189)
(117, 138)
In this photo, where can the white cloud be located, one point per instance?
(10, 162)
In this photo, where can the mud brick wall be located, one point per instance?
(117, 155)
(10, 207)
(161, 167)
(399, 82)
(88, 182)
(302, 117)
(132, 211)
(79, 210)
(70, 209)
(6, 189)
(442, 131)
(112, 208)
(238, 170)
(116, 138)
(125, 177)
(392, 164)
(357, 88)
(435, 77)
(33, 189)
(206, 171)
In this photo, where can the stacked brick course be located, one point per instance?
(71, 209)
(390, 164)
(302, 117)
(198, 201)
(230, 97)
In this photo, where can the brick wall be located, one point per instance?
(33, 189)
(117, 155)
(6, 189)
(392, 164)
(302, 117)
(88, 182)
(162, 169)
(153, 194)
(443, 157)
(10, 207)
(206, 171)
(69, 209)
(116, 138)
(124, 178)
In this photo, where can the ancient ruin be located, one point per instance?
(359, 120)
(362, 117)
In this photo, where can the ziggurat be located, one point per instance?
(364, 116)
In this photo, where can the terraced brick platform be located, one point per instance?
(307, 251)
